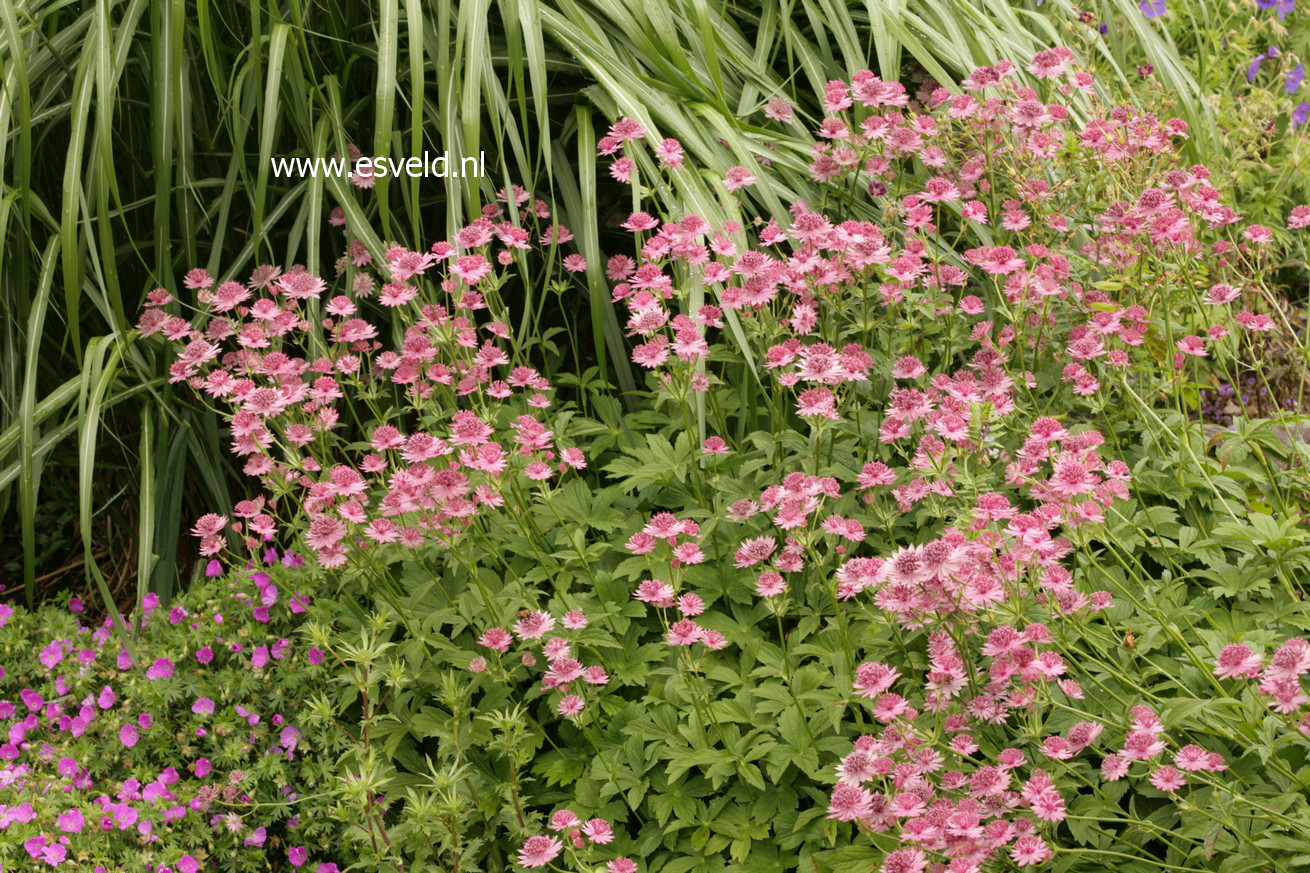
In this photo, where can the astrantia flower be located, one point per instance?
(569, 706)
(539, 851)
(770, 585)
(738, 177)
(988, 781)
(563, 819)
(715, 446)
(1237, 661)
(684, 633)
(753, 551)
(1221, 293)
(1167, 778)
(817, 402)
(873, 678)
(598, 831)
(1142, 744)
(779, 109)
(905, 861)
(1031, 849)
(534, 625)
(1193, 757)
(849, 803)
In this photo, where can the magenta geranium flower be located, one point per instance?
(71, 821)
(162, 668)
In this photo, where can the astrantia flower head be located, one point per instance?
(534, 625)
(1237, 661)
(540, 850)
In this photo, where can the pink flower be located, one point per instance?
(128, 735)
(988, 781)
(209, 525)
(905, 861)
(621, 865)
(563, 819)
(1237, 661)
(779, 109)
(715, 446)
(297, 855)
(1141, 744)
(684, 633)
(598, 831)
(849, 803)
(770, 585)
(1029, 850)
(539, 851)
(496, 638)
(1221, 293)
(817, 402)
(534, 625)
(1167, 778)
(753, 551)
(738, 177)
(70, 822)
(1193, 757)
(1258, 234)
(162, 668)
(873, 678)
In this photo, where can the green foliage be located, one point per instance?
(135, 138)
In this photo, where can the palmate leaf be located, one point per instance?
(658, 462)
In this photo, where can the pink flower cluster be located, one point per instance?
(563, 669)
(1280, 678)
(256, 348)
